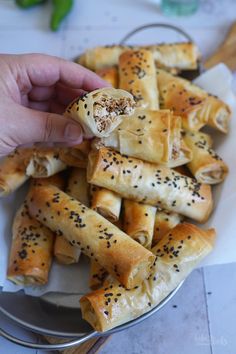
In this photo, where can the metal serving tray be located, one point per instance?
(56, 315)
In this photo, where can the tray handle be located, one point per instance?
(160, 25)
(47, 346)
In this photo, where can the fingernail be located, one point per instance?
(73, 132)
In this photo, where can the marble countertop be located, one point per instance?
(201, 318)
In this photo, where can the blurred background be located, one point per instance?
(92, 22)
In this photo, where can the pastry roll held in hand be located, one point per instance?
(99, 239)
(111, 75)
(182, 56)
(12, 171)
(137, 74)
(97, 275)
(138, 221)
(177, 254)
(45, 162)
(164, 222)
(101, 111)
(149, 184)
(193, 104)
(153, 136)
(106, 203)
(206, 166)
(31, 250)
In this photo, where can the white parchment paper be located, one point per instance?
(74, 279)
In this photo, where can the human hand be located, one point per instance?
(35, 90)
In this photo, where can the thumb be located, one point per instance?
(26, 126)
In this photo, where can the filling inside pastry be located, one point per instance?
(175, 151)
(26, 280)
(90, 315)
(141, 238)
(222, 119)
(212, 175)
(37, 166)
(106, 109)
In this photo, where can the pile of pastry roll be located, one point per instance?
(143, 167)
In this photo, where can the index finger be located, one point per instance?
(46, 70)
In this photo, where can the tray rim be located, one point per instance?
(43, 331)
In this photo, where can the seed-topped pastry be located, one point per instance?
(137, 75)
(44, 162)
(97, 275)
(13, 171)
(177, 254)
(76, 156)
(110, 74)
(153, 136)
(138, 221)
(196, 107)
(105, 203)
(77, 185)
(206, 165)
(180, 56)
(31, 250)
(99, 239)
(149, 184)
(164, 222)
(101, 111)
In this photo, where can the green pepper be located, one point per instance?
(60, 9)
(28, 3)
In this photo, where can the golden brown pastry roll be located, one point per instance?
(12, 171)
(76, 156)
(183, 56)
(153, 136)
(56, 180)
(101, 111)
(44, 162)
(73, 157)
(78, 186)
(99, 239)
(138, 221)
(106, 203)
(101, 57)
(149, 183)
(220, 114)
(31, 250)
(137, 75)
(206, 166)
(65, 252)
(194, 105)
(97, 275)
(177, 254)
(164, 222)
(110, 75)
